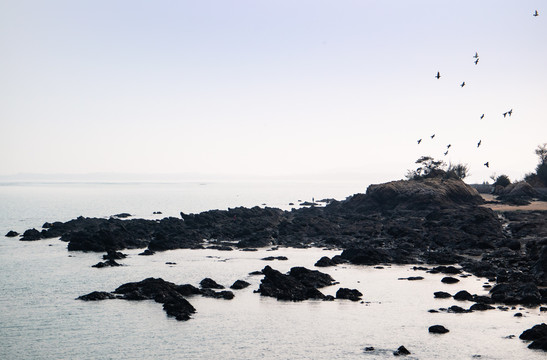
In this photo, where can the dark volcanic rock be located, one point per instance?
(366, 256)
(442, 294)
(96, 295)
(350, 294)
(209, 283)
(160, 291)
(114, 255)
(463, 295)
(107, 263)
(300, 284)
(325, 262)
(401, 351)
(516, 293)
(438, 329)
(271, 258)
(225, 294)
(457, 309)
(449, 280)
(537, 334)
(12, 233)
(445, 270)
(181, 309)
(481, 307)
(31, 235)
(147, 252)
(239, 284)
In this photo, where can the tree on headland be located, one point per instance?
(458, 171)
(431, 168)
(502, 180)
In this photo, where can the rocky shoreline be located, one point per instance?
(425, 221)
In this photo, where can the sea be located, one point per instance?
(40, 317)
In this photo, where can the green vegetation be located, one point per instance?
(431, 168)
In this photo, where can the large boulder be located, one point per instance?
(520, 193)
(538, 336)
(423, 193)
(300, 284)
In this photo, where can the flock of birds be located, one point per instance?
(509, 112)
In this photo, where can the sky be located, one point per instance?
(327, 89)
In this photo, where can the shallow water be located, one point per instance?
(40, 318)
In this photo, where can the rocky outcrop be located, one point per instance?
(209, 283)
(12, 233)
(239, 284)
(538, 336)
(298, 285)
(438, 329)
(520, 193)
(31, 235)
(350, 294)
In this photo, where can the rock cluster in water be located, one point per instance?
(172, 296)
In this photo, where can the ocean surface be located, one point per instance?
(40, 318)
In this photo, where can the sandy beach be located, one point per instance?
(534, 205)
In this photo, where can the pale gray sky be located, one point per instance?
(270, 88)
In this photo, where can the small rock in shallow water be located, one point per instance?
(441, 295)
(401, 351)
(449, 280)
(350, 294)
(438, 329)
(209, 283)
(463, 295)
(96, 296)
(369, 348)
(12, 233)
(239, 284)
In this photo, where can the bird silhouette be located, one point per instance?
(438, 76)
(446, 153)
(462, 84)
(432, 136)
(448, 146)
(487, 164)
(510, 112)
(479, 143)
(476, 61)
(505, 113)
(536, 13)
(482, 116)
(476, 55)
(419, 141)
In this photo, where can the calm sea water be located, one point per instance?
(40, 318)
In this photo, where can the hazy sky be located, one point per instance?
(270, 87)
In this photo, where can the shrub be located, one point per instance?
(502, 180)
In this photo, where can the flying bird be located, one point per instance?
(487, 164)
(510, 112)
(505, 113)
(536, 13)
(446, 153)
(482, 116)
(476, 55)
(476, 61)
(419, 141)
(432, 136)
(479, 143)
(462, 84)
(438, 76)
(448, 146)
